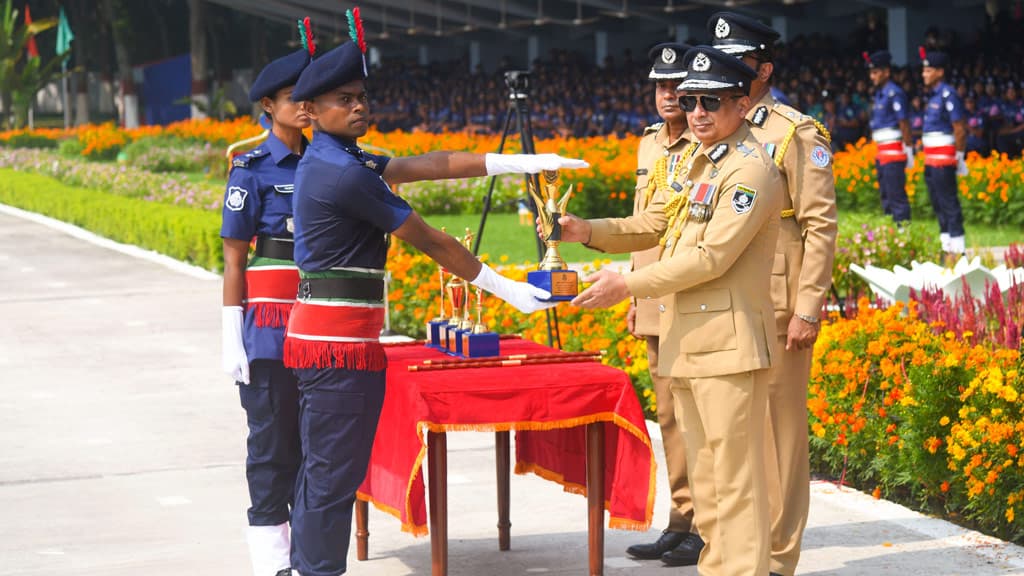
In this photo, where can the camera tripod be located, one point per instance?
(518, 83)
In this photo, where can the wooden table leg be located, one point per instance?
(595, 497)
(437, 480)
(362, 530)
(502, 457)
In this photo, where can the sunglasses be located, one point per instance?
(707, 102)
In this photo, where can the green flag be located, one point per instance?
(64, 35)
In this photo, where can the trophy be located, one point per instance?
(456, 288)
(464, 322)
(479, 341)
(552, 274)
(434, 326)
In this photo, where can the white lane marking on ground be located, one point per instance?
(133, 251)
(171, 501)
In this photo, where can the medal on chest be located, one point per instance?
(701, 197)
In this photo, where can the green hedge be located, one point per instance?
(184, 233)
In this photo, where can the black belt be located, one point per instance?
(276, 248)
(347, 288)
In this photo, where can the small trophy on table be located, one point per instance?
(479, 341)
(456, 288)
(434, 326)
(464, 323)
(552, 274)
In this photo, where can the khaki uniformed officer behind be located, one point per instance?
(660, 164)
(801, 276)
(717, 329)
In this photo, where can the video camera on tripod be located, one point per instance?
(518, 83)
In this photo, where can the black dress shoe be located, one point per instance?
(686, 553)
(667, 541)
(284, 572)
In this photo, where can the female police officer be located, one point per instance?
(258, 297)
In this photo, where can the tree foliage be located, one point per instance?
(21, 76)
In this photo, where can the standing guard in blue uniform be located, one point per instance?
(258, 296)
(890, 129)
(344, 210)
(944, 140)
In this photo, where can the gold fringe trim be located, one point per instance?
(788, 213)
(406, 526)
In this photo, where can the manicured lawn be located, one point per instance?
(503, 235)
(977, 235)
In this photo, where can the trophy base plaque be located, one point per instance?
(455, 341)
(480, 345)
(434, 333)
(563, 284)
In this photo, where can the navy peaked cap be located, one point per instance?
(879, 59)
(737, 34)
(667, 61)
(710, 69)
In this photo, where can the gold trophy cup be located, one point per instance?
(552, 274)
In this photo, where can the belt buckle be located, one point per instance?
(305, 291)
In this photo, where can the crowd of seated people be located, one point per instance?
(570, 96)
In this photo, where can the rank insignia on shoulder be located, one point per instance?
(820, 157)
(760, 116)
(743, 199)
(718, 152)
(240, 162)
(235, 199)
(371, 164)
(641, 171)
(746, 150)
(284, 188)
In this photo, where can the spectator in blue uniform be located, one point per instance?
(258, 296)
(976, 125)
(890, 129)
(344, 212)
(945, 142)
(1011, 130)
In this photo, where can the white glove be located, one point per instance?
(961, 165)
(233, 359)
(519, 294)
(529, 163)
(909, 151)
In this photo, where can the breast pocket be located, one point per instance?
(640, 199)
(706, 321)
(779, 285)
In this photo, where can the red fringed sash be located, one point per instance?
(270, 293)
(335, 335)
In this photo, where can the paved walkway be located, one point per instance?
(121, 449)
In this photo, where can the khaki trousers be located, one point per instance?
(680, 515)
(787, 466)
(723, 421)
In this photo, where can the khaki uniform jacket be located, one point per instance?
(654, 146)
(716, 312)
(802, 270)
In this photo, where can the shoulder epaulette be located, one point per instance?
(243, 160)
(653, 128)
(797, 118)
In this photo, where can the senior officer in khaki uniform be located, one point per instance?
(801, 275)
(716, 329)
(660, 164)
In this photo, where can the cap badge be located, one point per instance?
(722, 28)
(668, 55)
(701, 63)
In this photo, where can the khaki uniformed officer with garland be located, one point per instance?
(716, 328)
(801, 275)
(659, 167)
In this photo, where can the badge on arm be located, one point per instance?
(743, 199)
(235, 200)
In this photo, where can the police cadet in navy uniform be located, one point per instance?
(945, 142)
(801, 277)
(258, 203)
(890, 129)
(344, 211)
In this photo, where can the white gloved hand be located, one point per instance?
(961, 165)
(522, 295)
(233, 359)
(529, 163)
(909, 151)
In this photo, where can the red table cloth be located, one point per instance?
(548, 405)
